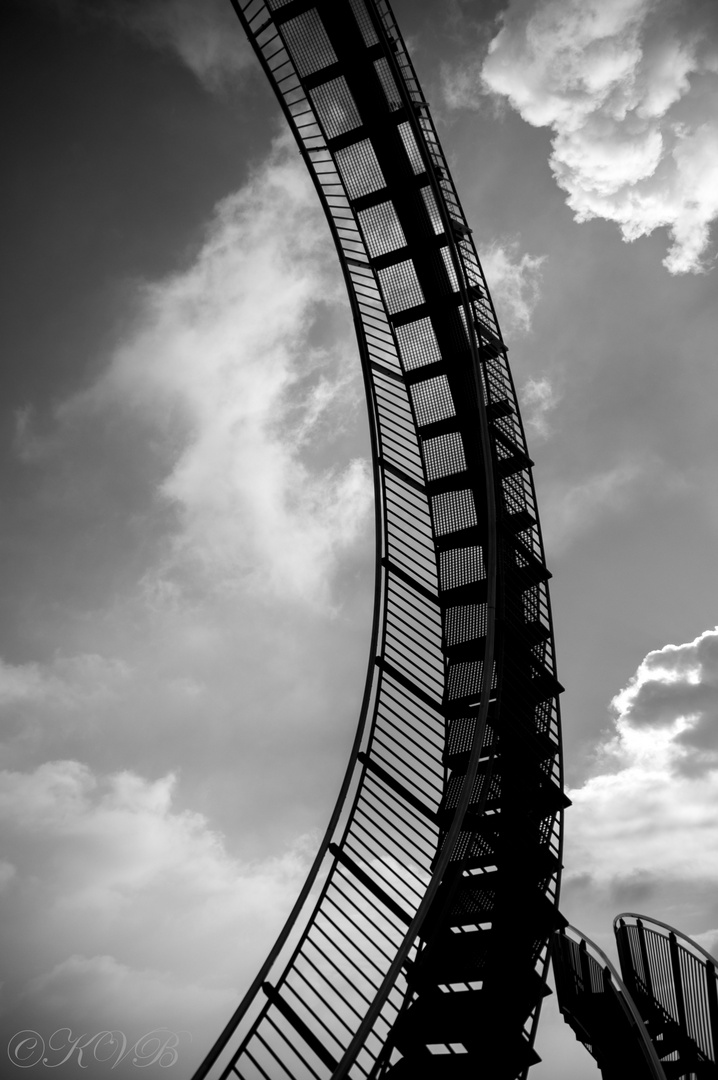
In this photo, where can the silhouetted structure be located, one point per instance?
(595, 1003)
(673, 983)
(421, 935)
(660, 1021)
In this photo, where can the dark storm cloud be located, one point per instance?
(206, 36)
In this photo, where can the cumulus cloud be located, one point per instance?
(538, 399)
(643, 830)
(674, 695)
(514, 280)
(226, 361)
(630, 90)
(147, 920)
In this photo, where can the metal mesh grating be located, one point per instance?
(365, 24)
(464, 678)
(360, 169)
(381, 229)
(432, 210)
(466, 622)
(530, 604)
(432, 400)
(336, 107)
(471, 844)
(479, 903)
(450, 270)
(307, 41)
(453, 510)
(444, 455)
(400, 287)
(461, 566)
(514, 494)
(412, 150)
(417, 344)
(542, 716)
(462, 731)
(391, 93)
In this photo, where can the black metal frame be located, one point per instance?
(597, 1005)
(421, 934)
(675, 986)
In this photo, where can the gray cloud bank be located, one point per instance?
(218, 673)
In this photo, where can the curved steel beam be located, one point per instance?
(422, 931)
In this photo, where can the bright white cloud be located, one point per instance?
(674, 696)
(514, 280)
(226, 362)
(649, 814)
(538, 399)
(630, 91)
(112, 865)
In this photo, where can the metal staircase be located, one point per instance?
(419, 943)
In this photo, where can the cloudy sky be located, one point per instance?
(187, 509)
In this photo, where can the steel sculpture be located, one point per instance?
(420, 938)
(673, 982)
(596, 1004)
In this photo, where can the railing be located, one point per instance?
(452, 803)
(674, 984)
(596, 1003)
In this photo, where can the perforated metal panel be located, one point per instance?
(400, 287)
(432, 401)
(335, 107)
(461, 566)
(417, 344)
(412, 148)
(453, 511)
(381, 229)
(308, 43)
(444, 455)
(364, 22)
(465, 622)
(360, 169)
(432, 210)
(388, 85)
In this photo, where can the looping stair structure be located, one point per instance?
(419, 942)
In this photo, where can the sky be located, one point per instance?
(187, 541)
